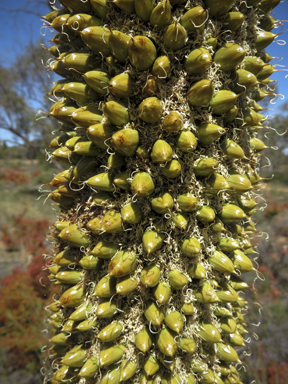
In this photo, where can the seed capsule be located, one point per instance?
(86, 325)
(150, 275)
(121, 86)
(151, 366)
(86, 116)
(106, 287)
(81, 21)
(154, 314)
(121, 180)
(257, 145)
(228, 325)
(177, 279)
(86, 148)
(175, 321)
(227, 294)
(123, 263)
(116, 112)
(240, 183)
(205, 214)
(68, 277)
(161, 14)
(80, 92)
(161, 67)
(161, 152)
(98, 80)
(150, 110)
(75, 357)
(191, 247)
(242, 262)
(263, 39)
(206, 294)
(198, 366)
(113, 375)
(63, 110)
(65, 258)
(229, 56)
(126, 285)
(143, 340)
(218, 7)
(180, 220)
(95, 225)
(221, 263)
(131, 213)
(186, 141)
(209, 332)
(163, 203)
(232, 150)
(194, 19)
(110, 355)
(197, 271)
(205, 167)
(142, 52)
(200, 94)
(245, 80)
(111, 332)
(215, 184)
(226, 353)
(90, 368)
(173, 122)
(162, 292)
(152, 241)
(99, 133)
(228, 244)
(172, 169)
(125, 141)
(142, 184)
(97, 39)
(187, 202)
(106, 310)
(60, 339)
(175, 36)
(223, 101)
(188, 309)
(73, 235)
(72, 297)
(233, 20)
(231, 213)
(119, 43)
(198, 61)
(102, 181)
(81, 62)
(127, 370)
(166, 343)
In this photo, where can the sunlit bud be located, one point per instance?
(123, 263)
(142, 52)
(229, 56)
(143, 340)
(209, 332)
(161, 14)
(111, 354)
(200, 94)
(111, 332)
(154, 314)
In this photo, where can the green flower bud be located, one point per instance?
(150, 110)
(236, 339)
(198, 366)
(223, 101)
(121, 86)
(143, 340)
(76, 6)
(97, 39)
(175, 321)
(106, 287)
(166, 343)
(263, 39)
(80, 313)
(73, 296)
(205, 166)
(113, 374)
(110, 355)
(126, 285)
(152, 241)
(200, 94)
(127, 370)
(119, 42)
(209, 333)
(240, 183)
(175, 37)
(161, 152)
(177, 279)
(265, 72)
(117, 113)
(215, 184)
(150, 275)
(86, 116)
(222, 311)
(226, 353)
(253, 64)
(163, 203)
(60, 339)
(232, 150)
(227, 294)
(90, 368)
(86, 325)
(151, 366)
(80, 61)
(90, 262)
(218, 7)
(242, 262)
(231, 213)
(180, 221)
(80, 92)
(229, 56)
(193, 20)
(187, 345)
(228, 244)
(102, 181)
(186, 141)
(99, 133)
(172, 169)
(231, 114)
(227, 324)
(206, 294)
(98, 80)
(198, 61)
(115, 160)
(73, 235)
(101, 198)
(69, 277)
(245, 80)
(125, 5)
(153, 314)
(121, 180)
(123, 263)
(131, 213)
(60, 21)
(111, 332)
(188, 309)
(142, 52)
(143, 9)
(125, 141)
(197, 271)
(173, 122)
(62, 110)
(100, 8)
(162, 292)
(233, 20)
(187, 202)
(142, 184)
(191, 247)
(106, 310)
(81, 21)
(86, 148)
(151, 87)
(205, 214)
(221, 263)
(161, 14)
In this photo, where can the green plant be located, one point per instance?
(159, 119)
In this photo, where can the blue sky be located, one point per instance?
(19, 28)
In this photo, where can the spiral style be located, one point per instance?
(158, 118)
